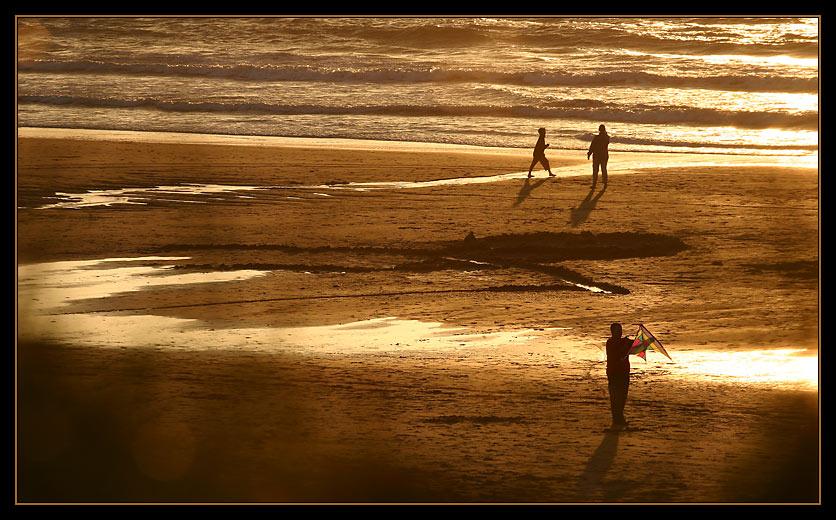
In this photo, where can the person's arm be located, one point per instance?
(628, 344)
(591, 146)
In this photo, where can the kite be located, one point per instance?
(646, 341)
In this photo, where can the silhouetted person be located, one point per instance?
(618, 374)
(599, 150)
(540, 153)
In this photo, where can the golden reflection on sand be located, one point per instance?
(777, 366)
(46, 292)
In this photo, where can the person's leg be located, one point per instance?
(624, 392)
(616, 408)
(594, 170)
(604, 169)
(618, 386)
(533, 162)
(545, 163)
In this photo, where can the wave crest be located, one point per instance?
(430, 74)
(578, 109)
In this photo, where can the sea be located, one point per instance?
(732, 85)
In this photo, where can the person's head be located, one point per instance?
(542, 131)
(615, 329)
(602, 129)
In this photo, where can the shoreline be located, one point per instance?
(252, 140)
(803, 161)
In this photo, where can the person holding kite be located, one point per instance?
(618, 374)
(618, 366)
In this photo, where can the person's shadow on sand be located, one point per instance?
(597, 467)
(526, 190)
(581, 213)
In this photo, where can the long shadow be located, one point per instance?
(526, 190)
(581, 213)
(598, 465)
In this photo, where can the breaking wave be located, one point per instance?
(432, 74)
(581, 109)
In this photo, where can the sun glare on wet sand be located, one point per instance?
(46, 289)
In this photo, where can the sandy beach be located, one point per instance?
(254, 320)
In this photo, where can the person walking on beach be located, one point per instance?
(599, 151)
(540, 154)
(618, 374)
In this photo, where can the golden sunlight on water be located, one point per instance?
(735, 58)
(45, 290)
(34, 41)
(798, 368)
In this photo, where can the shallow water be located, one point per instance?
(144, 196)
(46, 293)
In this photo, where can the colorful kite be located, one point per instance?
(646, 341)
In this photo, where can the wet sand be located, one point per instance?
(191, 390)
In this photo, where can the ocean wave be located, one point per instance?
(431, 35)
(596, 111)
(669, 143)
(692, 36)
(431, 74)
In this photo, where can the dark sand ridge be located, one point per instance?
(535, 252)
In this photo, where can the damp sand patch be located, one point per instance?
(800, 270)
